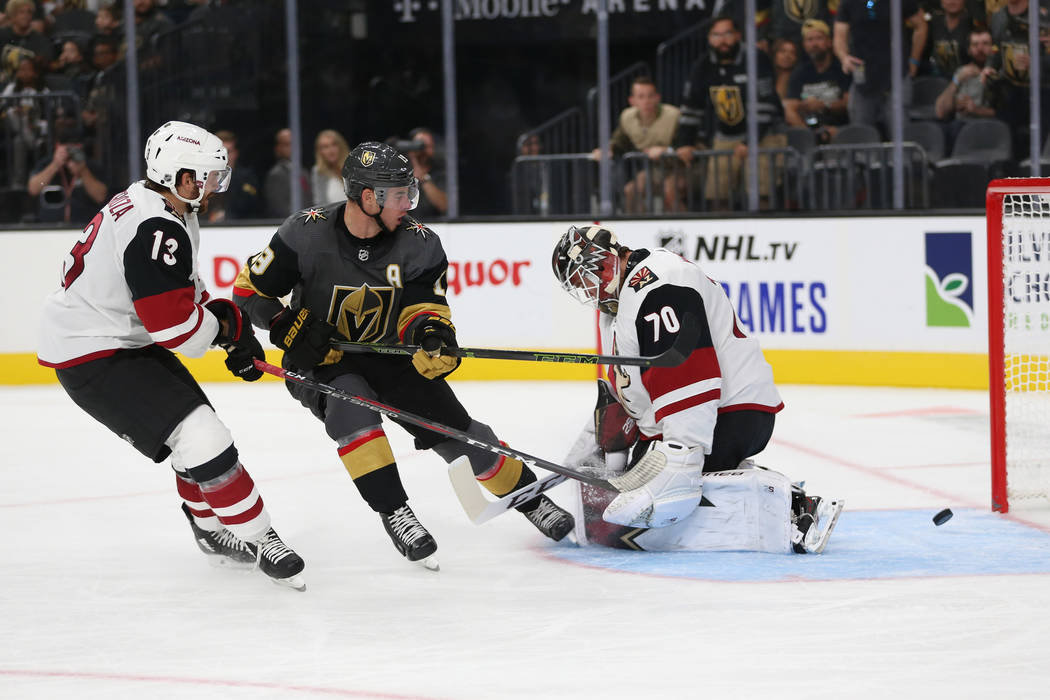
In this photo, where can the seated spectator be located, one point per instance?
(277, 188)
(20, 32)
(23, 118)
(787, 18)
(714, 113)
(99, 92)
(71, 62)
(862, 44)
(967, 95)
(107, 24)
(67, 184)
(949, 37)
(429, 169)
(818, 95)
(241, 199)
(785, 59)
(149, 22)
(1008, 72)
(648, 126)
(326, 176)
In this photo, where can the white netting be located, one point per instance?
(1026, 341)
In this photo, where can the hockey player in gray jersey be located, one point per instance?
(362, 270)
(689, 482)
(130, 295)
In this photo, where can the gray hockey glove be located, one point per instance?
(304, 337)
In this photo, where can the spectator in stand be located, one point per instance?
(714, 112)
(20, 32)
(648, 126)
(107, 24)
(818, 96)
(429, 169)
(949, 37)
(95, 114)
(277, 188)
(968, 95)
(785, 59)
(149, 21)
(241, 198)
(862, 44)
(787, 18)
(24, 120)
(1008, 72)
(326, 178)
(67, 184)
(71, 63)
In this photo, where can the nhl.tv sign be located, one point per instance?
(949, 279)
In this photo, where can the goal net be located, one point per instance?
(1018, 212)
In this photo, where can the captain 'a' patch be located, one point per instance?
(642, 277)
(361, 314)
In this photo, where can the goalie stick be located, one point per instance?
(672, 357)
(404, 416)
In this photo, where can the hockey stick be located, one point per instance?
(672, 357)
(406, 417)
(480, 509)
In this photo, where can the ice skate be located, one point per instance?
(278, 561)
(410, 537)
(222, 546)
(551, 520)
(814, 519)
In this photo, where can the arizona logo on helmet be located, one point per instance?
(367, 158)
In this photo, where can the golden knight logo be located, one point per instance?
(800, 10)
(367, 158)
(362, 314)
(729, 104)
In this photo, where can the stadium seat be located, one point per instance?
(929, 135)
(982, 141)
(924, 94)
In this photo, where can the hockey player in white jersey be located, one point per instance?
(687, 482)
(130, 297)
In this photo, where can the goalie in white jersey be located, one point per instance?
(686, 432)
(130, 295)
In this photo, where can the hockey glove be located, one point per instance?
(238, 339)
(431, 333)
(304, 337)
(663, 488)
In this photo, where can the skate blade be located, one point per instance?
(821, 541)
(430, 563)
(296, 582)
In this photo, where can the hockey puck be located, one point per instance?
(942, 517)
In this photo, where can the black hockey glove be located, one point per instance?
(304, 337)
(431, 333)
(237, 337)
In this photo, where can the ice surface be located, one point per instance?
(105, 595)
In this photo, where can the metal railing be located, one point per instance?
(861, 176)
(567, 184)
(28, 122)
(565, 133)
(675, 57)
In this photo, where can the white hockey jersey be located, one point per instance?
(724, 372)
(130, 281)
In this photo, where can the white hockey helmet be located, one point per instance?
(180, 146)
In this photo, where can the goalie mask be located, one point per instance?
(586, 262)
(179, 146)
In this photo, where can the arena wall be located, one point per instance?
(872, 301)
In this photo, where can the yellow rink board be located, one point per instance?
(946, 370)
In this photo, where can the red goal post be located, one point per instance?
(1018, 220)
